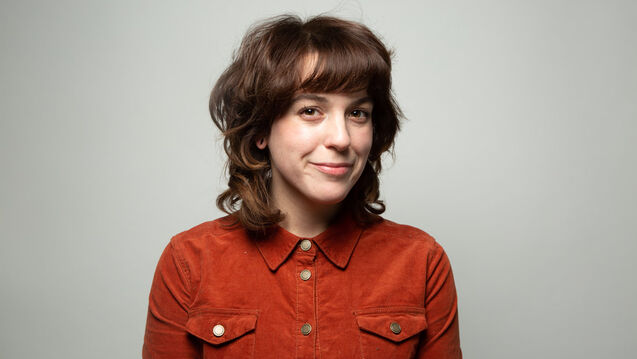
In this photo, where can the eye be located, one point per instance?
(310, 113)
(360, 115)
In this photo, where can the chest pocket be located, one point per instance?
(226, 333)
(390, 332)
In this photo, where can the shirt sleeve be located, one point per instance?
(441, 339)
(166, 335)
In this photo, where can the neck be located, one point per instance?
(305, 219)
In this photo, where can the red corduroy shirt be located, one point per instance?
(384, 291)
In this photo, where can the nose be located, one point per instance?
(337, 134)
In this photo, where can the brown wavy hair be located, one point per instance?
(258, 86)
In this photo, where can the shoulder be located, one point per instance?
(390, 230)
(208, 235)
(399, 237)
(202, 245)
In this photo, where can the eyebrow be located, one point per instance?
(321, 99)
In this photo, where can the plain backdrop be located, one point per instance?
(518, 155)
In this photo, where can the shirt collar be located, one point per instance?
(337, 242)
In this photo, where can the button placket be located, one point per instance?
(305, 285)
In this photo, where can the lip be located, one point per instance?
(333, 168)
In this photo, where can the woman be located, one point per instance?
(303, 266)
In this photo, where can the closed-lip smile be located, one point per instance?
(333, 168)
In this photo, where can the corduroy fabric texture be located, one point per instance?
(385, 291)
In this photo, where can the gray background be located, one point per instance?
(518, 155)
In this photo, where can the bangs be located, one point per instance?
(342, 69)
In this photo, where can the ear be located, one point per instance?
(262, 143)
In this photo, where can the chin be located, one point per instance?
(332, 199)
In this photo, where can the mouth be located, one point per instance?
(333, 168)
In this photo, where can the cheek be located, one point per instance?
(363, 141)
(287, 141)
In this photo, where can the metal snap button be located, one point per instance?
(306, 329)
(218, 330)
(305, 274)
(395, 328)
(306, 244)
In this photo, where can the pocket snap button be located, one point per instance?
(395, 328)
(218, 330)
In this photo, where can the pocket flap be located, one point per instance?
(235, 323)
(395, 324)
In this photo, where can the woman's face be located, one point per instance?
(319, 147)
